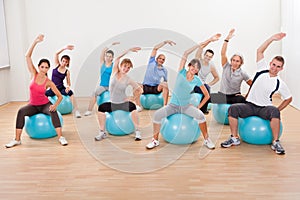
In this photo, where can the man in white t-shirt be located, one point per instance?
(259, 99)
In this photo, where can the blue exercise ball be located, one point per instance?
(220, 113)
(180, 129)
(103, 97)
(152, 101)
(119, 122)
(209, 106)
(65, 106)
(195, 99)
(255, 130)
(40, 126)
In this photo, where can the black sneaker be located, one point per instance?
(276, 146)
(231, 141)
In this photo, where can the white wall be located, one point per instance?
(90, 24)
(291, 51)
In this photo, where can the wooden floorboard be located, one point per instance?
(121, 168)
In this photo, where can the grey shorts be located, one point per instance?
(248, 109)
(170, 109)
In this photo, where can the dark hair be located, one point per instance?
(44, 60)
(65, 57)
(210, 51)
(111, 52)
(195, 62)
(280, 59)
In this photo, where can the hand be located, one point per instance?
(278, 36)
(170, 42)
(231, 34)
(135, 49)
(39, 38)
(115, 43)
(69, 47)
(215, 37)
(67, 89)
(52, 108)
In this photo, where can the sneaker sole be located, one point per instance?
(277, 152)
(227, 146)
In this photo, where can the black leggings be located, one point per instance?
(109, 107)
(30, 110)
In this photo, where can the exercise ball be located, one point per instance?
(195, 99)
(209, 106)
(65, 106)
(119, 122)
(220, 113)
(180, 129)
(103, 97)
(255, 130)
(40, 126)
(152, 101)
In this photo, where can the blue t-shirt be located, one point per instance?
(154, 74)
(105, 73)
(183, 89)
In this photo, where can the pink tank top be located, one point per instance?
(37, 93)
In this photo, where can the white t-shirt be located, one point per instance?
(264, 85)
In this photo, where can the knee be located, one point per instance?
(275, 113)
(233, 111)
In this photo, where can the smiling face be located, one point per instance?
(275, 66)
(44, 66)
(125, 66)
(160, 59)
(236, 61)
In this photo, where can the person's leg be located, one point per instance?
(200, 118)
(137, 94)
(234, 112)
(235, 98)
(105, 107)
(27, 110)
(272, 113)
(204, 107)
(99, 90)
(158, 116)
(218, 98)
(164, 88)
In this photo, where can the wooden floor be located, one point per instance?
(121, 168)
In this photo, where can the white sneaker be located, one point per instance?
(63, 141)
(87, 113)
(139, 108)
(77, 114)
(209, 144)
(138, 136)
(100, 136)
(13, 143)
(152, 144)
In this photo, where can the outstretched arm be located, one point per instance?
(56, 56)
(264, 46)
(158, 46)
(224, 47)
(205, 43)
(28, 55)
(185, 56)
(104, 50)
(117, 61)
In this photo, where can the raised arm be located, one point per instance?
(205, 43)
(56, 56)
(224, 47)
(28, 55)
(160, 45)
(185, 56)
(117, 60)
(264, 46)
(104, 50)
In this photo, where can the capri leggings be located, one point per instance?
(30, 110)
(99, 90)
(109, 106)
(170, 109)
(248, 109)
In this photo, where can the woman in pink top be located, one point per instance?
(38, 102)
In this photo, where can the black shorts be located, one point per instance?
(110, 107)
(150, 89)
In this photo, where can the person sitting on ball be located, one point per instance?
(180, 100)
(38, 102)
